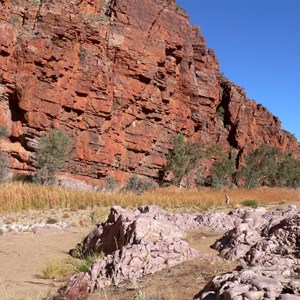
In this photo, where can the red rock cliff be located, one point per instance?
(120, 76)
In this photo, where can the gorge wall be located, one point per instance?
(121, 77)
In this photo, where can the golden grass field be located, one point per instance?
(17, 196)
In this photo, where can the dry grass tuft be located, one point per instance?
(62, 269)
(16, 196)
(58, 270)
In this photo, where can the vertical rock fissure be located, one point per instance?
(17, 114)
(226, 99)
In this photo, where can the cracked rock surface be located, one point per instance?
(267, 244)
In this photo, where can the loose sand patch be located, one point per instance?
(22, 256)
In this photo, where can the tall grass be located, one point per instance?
(16, 196)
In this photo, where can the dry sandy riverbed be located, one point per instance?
(23, 255)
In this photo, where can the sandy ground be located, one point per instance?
(23, 255)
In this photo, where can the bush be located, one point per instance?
(183, 158)
(3, 132)
(52, 153)
(288, 172)
(110, 185)
(3, 156)
(201, 178)
(249, 203)
(223, 170)
(261, 167)
(3, 166)
(18, 177)
(268, 166)
(51, 221)
(59, 270)
(137, 185)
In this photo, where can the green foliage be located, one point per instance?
(84, 264)
(180, 9)
(17, 177)
(3, 132)
(223, 76)
(3, 166)
(137, 185)
(183, 158)
(223, 169)
(110, 184)
(268, 166)
(261, 167)
(77, 252)
(51, 221)
(3, 156)
(288, 172)
(82, 54)
(249, 203)
(52, 153)
(61, 270)
(221, 113)
(201, 179)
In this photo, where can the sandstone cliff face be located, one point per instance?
(122, 77)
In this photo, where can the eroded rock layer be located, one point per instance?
(121, 77)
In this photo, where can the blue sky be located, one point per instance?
(257, 43)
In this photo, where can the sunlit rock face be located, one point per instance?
(121, 77)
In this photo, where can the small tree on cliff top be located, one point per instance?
(52, 153)
(183, 158)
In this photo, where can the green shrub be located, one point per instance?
(84, 264)
(3, 132)
(137, 185)
(288, 172)
(52, 153)
(59, 270)
(51, 221)
(250, 203)
(261, 167)
(62, 269)
(223, 169)
(3, 166)
(183, 158)
(110, 185)
(201, 178)
(221, 113)
(18, 177)
(268, 166)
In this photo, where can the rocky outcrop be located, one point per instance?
(252, 284)
(267, 246)
(134, 243)
(121, 77)
(139, 242)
